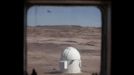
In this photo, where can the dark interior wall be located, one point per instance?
(67, 1)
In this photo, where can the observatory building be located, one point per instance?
(70, 61)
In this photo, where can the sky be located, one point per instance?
(64, 15)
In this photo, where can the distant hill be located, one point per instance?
(66, 31)
(61, 26)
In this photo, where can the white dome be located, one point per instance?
(70, 53)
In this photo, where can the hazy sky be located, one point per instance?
(64, 15)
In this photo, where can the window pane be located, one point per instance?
(51, 29)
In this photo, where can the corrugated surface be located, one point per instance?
(70, 53)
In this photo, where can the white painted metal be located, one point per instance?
(70, 61)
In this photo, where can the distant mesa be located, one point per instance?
(61, 26)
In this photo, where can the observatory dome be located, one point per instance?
(70, 53)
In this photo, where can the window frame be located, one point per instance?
(105, 8)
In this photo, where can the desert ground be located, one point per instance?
(45, 44)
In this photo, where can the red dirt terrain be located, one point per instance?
(45, 44)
